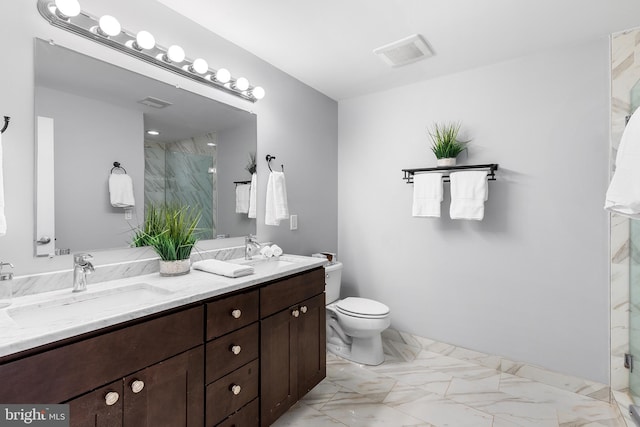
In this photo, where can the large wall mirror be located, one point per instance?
(97, 114)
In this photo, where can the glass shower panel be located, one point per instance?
(634, 307)
(189, 181)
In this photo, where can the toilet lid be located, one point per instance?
(362, 307)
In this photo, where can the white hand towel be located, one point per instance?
(276, 206)
(623, 195)
(277, 250)
(266, 252)
(242, 198)
(3, 219)
(223, 268)
(121, 190)
(253, 192)
(469, 191)
(427, 194)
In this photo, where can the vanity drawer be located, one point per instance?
(221, 398)
(221, 358)
(231, 313)
(68, 371)
(285, 293)
(246, 417)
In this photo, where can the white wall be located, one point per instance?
(530, 281)
(295, 122)
(84, 159)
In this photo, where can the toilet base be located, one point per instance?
(366, 351)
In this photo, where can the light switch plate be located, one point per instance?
(293, 222)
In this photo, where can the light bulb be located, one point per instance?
(199, 66)
(153, 132)
(109, 26)
(242, 84)
(175, 53)
(258, 92)
(144, 40)
(67, 8)
(223, 75)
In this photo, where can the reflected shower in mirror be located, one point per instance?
(177, 147)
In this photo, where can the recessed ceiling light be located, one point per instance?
(153, 132)
(211, 144)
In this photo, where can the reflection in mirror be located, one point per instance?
(101, 114)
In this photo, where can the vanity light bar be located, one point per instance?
(106, 30)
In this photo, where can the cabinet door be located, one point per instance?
(100, 408)
(169, 393)
(312, 343)
(278, 363)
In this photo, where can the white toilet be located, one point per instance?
(354, 325)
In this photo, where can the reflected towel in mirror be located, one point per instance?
(121, 190)
(242, 198)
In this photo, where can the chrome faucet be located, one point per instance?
(81, 267)
(251, 246)
(5, 276)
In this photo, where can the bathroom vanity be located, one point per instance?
(215, 352)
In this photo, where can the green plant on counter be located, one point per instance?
(251, 166)
(445, 143)
(170, 230)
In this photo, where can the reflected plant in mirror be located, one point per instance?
(100, 113)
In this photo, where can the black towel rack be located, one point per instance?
(6, 124)
(491, 171)
(269, 158)
(116, 165)
(241, 182)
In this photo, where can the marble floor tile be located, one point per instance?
(417, 387)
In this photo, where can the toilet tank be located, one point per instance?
(332, 281)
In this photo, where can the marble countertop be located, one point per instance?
(34, 320)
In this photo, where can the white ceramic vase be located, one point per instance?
(451, 161)
(175, 268)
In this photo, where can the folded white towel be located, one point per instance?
(469, 191)
(427, 194)
(3, 219)
(242, 198)
(277, 250)
(623, 195)
(223, 268)
(121, 190)
(253, 196)
(266, 251)
(276, 206)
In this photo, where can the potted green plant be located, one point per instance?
(251, 165)
(445, 144)
(171, 231)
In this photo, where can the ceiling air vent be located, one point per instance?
(150, 101)
(405, 51)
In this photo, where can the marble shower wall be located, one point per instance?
(625, 75)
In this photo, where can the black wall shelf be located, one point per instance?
(491, 171)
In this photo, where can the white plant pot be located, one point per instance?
(175, 268)
(451, 161)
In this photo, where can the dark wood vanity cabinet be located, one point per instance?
(292, 342)
(240, 360)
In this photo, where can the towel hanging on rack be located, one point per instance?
(120, 188)
(276, 206)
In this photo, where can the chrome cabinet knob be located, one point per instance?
(111, 398)
(235, 389)
(236, 349)
(137, 386)
(236, 313)
(303, 309)
(295, 313)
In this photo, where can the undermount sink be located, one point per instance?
(266, 265)
(84, 305)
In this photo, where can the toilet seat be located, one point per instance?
(362, 307)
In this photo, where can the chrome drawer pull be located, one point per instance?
(137, 386)
(236, 313)
(303, 309)
(235, 389)
(295, 313)
(111, 398)
(236, 349)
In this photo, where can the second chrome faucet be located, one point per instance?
(81, 267)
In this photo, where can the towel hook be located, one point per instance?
(116, 165)
(269, 158)
(6, 124)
